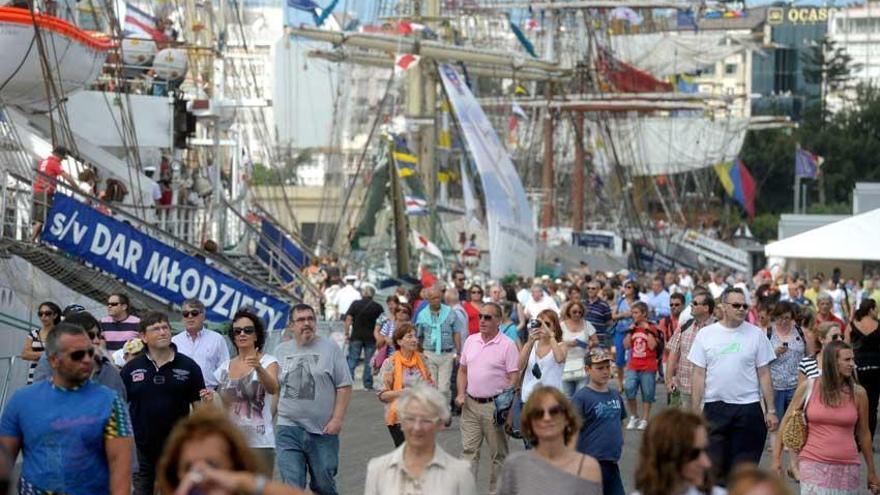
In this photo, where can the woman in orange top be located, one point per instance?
(404, 369)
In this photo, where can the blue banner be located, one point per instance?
(153, 266)
(275, 236)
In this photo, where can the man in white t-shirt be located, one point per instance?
(730, 375)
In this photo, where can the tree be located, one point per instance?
(829, 66)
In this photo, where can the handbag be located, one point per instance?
(378, 359)
(794, 430)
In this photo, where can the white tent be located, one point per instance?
(855, 238)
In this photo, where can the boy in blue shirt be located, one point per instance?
(603, 412)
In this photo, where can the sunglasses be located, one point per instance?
(484, 316)
(476, 292)
(695, 452)
(837, 336)
(244, 330)
(113, 304)
(698, 303)
(80, 355)
(46, 313)
(738, 305)
(675, 305)
(554, 413)
(191, 314)
(536, 371)
(94, 335)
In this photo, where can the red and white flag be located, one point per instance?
(404, 62)
(423, 244)
(404, 27)
(532, 24)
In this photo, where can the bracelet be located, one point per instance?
(259, 484)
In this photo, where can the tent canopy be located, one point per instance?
(855, 238)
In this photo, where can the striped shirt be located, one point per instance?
(809, 367)
(599, 314)
(117, 333)
(36, 346)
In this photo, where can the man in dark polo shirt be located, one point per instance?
(162, 385)
(360, 320)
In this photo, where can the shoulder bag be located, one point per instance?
(794, 430)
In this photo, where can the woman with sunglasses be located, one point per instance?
(472, 307)
(247, 383)
(621, 315)
(836, 411)
(405, 369)
(790, 347)
(577, 335)
(549, 424)
(50, 315)
(673, 458)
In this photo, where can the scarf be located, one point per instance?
(399, 363)
(426, 320)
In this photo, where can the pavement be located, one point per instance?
(365, 436)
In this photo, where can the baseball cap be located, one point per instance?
(598, 355)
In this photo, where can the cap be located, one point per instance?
(72, 309)
(598, 355)
(149, 168)
(350, 278)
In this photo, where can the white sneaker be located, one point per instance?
(632, 423)
(643, 424)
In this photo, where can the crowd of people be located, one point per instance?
(565, 366)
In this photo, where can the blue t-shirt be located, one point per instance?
(510, 332)
(63, 433)
(602, 434)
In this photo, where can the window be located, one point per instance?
(729, 69)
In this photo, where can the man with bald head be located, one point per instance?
(439, 332)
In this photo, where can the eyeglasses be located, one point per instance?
(81, 354)
(46, 313)
(484, 316)
(738, 306)
(191, 314)
(554, 412)
(695, 452)
(244, 330)
(113, 304)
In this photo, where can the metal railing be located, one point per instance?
(4, 391)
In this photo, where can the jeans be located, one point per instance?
(298, 452)
(612, 484)
(737, 433)
(640, 380)
(569, 387)
(144, 480)
(781, 400)
(354, 354)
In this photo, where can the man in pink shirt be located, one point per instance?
(488, 365)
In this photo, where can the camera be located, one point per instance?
(533, 324)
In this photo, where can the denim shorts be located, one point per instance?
(781, 400)
(640, 380)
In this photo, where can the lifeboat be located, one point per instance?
(75, 57)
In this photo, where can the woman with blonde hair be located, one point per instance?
(550, 423)
(836, 410)
(674, 458)
(206, 454)
(578, 335)
(405, 368)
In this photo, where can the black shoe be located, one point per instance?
(456, 411)
(449, 422)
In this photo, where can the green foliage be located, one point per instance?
(830, 209)
(765, 227)
(273, 176)
(849, 141)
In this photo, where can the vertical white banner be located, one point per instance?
(508, 215)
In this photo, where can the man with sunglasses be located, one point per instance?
(162, 386)
(488, 367)
(75, 434)
(206, 347)
(119, 326)
(678, 367)
(731, 373)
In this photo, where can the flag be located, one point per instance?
(422, 243)
(415, 205)
(403, 157)
(141, 25)
(738, 183)
(518, 111)
(405, 28)
(520, 90)
(444, 137)
(806, 164)
(405, 170)
(532, 24)
(403, 63)
(427, 278)
(627, 14)
(307, 5)
(685, 20)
